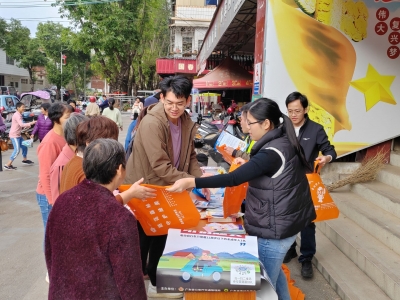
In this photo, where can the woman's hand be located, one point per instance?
(137, 191)
(181, 185)
(239, 161)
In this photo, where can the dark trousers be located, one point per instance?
(308, 245)
(151, 247)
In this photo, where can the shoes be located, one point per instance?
(27, 162)
(306, 269)
(289, 255)
(47, 277)
(10, 168)
(152, 293)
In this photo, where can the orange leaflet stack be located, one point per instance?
(226, 156)
(234, 196)
(167, 210)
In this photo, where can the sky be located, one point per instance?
(30, 12)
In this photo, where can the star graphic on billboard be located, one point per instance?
(375, 87)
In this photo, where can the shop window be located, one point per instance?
(24, 81)
(186, 44)
(40, 82)
(16, 84)
(11, 83)
(9, 60)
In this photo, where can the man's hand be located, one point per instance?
(229, 150)
(181, 185)
(323, 160)
(206, 193)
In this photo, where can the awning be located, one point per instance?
(228, 75)
(231, 31)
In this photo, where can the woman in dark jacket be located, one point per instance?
(278, 200)
(92, 242)
(43, 124)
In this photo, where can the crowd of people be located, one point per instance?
(95, 248)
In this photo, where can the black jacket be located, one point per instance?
(312, 137)
(280, 206)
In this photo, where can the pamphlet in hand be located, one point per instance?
(227, 139)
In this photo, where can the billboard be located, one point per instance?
(344, 56)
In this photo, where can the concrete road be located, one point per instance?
(22, 264)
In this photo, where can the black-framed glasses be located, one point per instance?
(248, 124)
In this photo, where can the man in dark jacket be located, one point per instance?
(312, 137)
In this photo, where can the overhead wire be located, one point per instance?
(49, 4)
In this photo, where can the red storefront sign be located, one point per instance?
(173, 66)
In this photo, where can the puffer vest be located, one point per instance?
(279, 207)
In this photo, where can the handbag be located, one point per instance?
(28, 143)
(3, 145)
(325, 208)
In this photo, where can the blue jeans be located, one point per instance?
(45, 208)
(271, 253)
(17, 144)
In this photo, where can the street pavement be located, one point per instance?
(22, 264)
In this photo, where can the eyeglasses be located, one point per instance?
(248, 124)
(295, 112)
(177, 105)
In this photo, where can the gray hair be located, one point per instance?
(70, 127)
(101, 159)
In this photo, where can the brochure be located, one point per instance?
(167, 210)
(201, 261)
(227, 139)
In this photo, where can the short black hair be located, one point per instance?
(56, 111)
(297, 96)
(19, 104)
(45, 106)
(71, 101)
(101, 160)
(180, 85)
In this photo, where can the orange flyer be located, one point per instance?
(228, 158)
(167, 210)
(234, 196)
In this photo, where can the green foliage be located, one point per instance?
(117, 35)
(56, 39)
(18, 44)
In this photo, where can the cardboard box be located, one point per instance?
(201, 261)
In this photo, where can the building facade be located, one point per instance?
(12, 75)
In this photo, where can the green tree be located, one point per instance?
(18, 44)
(55, 41)
(115, 34)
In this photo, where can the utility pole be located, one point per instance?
(61, 64)
(84, 83)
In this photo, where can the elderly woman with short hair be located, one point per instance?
(67, 153)
(107, 264)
